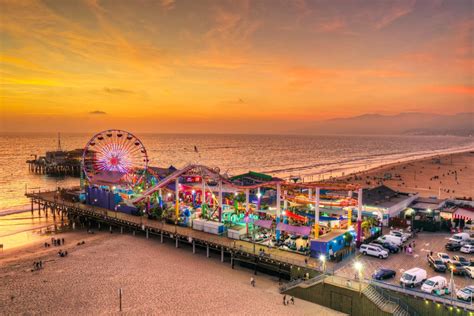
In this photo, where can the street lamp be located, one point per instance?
(322, 258)
(451, 282)
(358, 267)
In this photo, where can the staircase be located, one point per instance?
(303, 284)
(383, 303)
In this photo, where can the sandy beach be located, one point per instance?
(155, 278)
(446, 176)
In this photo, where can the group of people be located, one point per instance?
(37, 265)
(409, 249)
(62, 253)
(54, 242)
(287, 302)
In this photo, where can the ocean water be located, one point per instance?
(311, 157)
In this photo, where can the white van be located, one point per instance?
(437, 283)
(459, 237)
(373, 251)
(413, 277)
(397, 241)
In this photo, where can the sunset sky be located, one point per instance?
(229, 66)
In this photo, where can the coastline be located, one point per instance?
(441, 176)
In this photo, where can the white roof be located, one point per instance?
(414, 270)
(437, 278)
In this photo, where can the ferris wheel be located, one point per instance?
(114, 157)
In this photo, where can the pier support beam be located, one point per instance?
(207, 250)
(121, 229)
(98, 225)
(134, 232)
(161, 238)
(147, 233)
(32, 206)
(222, 254)
(232, 260)
(110, 229)
(194, 247)
(73, 225)
(177, 242)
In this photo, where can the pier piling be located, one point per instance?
(207, 250)
(177, 241)
(194, 246)
(121, 230)
(147, 233)
(161, 239)
(222, 254)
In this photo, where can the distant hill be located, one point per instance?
(414, 123)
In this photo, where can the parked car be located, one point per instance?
(466, 294)
(437, 264)
(462, 261)
(469, 272)
(373, 251)
(401, 234)
(392, 239)
(469, 241)
(459, 237)
(467, 249)
(413, 277)
(392, 248)
(457, 268)
(383, 274)
(436, 284)
(444, 257)
(453, 246)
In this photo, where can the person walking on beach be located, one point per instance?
(292, 299)
(252, 281)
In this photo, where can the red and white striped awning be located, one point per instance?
(465, 214)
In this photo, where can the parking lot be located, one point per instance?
(400, 262)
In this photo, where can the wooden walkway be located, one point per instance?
(50, 200)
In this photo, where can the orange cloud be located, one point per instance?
(459, 90)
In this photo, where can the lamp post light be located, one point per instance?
(358, 267)
(322, 258)
(451, 282)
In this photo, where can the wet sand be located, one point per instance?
(155, 278)
(448, 176)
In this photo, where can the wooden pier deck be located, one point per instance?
(290, 265)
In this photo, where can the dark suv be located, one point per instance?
(437, 264)
(453, 246)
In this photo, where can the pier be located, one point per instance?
(285, 265)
